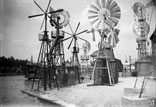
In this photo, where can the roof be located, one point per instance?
(94, 54)
(103, 53)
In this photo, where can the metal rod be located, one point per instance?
(48, 5)
(37, 66)
(82, 39)
(70, 43)
(66, 39)
(136, 82)
(40, 67)
(81, 32)
(44, 70)
(68, 33)
(142, 87)
(39, 6)
(77, 27)
(71, 28)
(35, 15)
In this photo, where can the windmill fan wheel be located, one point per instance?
(141, 29)
(64, 18)
(104, 13)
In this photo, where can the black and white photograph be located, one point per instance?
(77, 53)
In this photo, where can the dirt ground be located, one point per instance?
(101, 96)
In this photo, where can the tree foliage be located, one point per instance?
(8, 64)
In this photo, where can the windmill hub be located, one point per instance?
(74, 36)
(139, 9)
(104, 13)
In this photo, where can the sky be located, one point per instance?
(19, 34)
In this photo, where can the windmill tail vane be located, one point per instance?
(113, 39)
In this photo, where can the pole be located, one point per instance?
(46, 52)
(57, 38)
(142, 87)
(130, 63)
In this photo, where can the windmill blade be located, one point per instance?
(94, 7)
(109, 23)
(113, 5)
(116, 15)
(67, 33)
(35, 15)
(82, 39)
(71, 28)
(98, 24)
(115, 21)
(42, 23)
(108, 3)
(94, 21)
(103, 2)
(59, 10)
(92, 11)
(39, 6)
(66, 39)
(77, 27)
(117, 9)
(81, 32)
(94, 16)
(97, 2)
(70, 43)
(48, 5)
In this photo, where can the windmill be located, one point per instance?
(43, 62)
(84, 58)
(141, 29)
(104, 16)
(74, 37)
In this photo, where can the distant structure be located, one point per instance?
(85, 58)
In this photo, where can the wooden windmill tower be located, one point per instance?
(57, 49)
(44, 72)
(141, 29)
(74, 37)
(104, 16)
